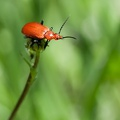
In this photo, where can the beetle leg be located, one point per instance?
(51, 28)
(46, 44)
(42, 22)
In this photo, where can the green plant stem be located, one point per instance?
(29, 82)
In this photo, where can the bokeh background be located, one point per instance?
(77, 79)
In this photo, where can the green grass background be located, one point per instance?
(77, 79)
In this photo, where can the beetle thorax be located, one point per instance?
(49, 35)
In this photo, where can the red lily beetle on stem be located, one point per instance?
(37, 31)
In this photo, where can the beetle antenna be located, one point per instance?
(69, 37)
(63, 25)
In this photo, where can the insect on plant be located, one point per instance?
(39, 37)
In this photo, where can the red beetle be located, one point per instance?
(38, 31)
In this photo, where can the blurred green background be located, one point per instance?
(77, 79)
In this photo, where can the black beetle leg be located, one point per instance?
(51, 28)
(46, 44)
(42, 22)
